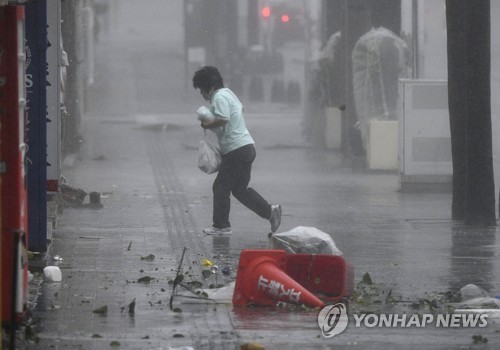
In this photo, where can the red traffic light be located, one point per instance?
(285, 18)
(266, 12)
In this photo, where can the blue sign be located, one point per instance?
(36, 130)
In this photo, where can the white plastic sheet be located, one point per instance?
(303, 239)
(379, 60)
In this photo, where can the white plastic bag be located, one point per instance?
(209, 157)
(303, 239)
(205, 114)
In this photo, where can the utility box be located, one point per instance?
(382, 145)
(425, 139)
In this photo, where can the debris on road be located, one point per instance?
(75, 197)
(252, 346)
(303, 239)
(474, 297)
(131, 307)
(145, 279)
(72, 196)
(103, 310)
(150, 257)
(206, 263)
(52, 274)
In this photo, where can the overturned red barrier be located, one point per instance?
(261, 280)
(328, 276)
(266, 277)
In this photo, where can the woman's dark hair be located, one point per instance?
(207, 77)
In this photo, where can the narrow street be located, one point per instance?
(140, 150)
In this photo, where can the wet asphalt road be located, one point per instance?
(156, 201)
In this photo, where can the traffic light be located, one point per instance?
(266, 12)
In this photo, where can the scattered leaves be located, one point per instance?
(145, 279)
(252, 346)
(207, 263)
(131, 307)
(150, 257)
(479, 339)
(101, 310)
(206, 273)
(367, 279)
(30, 335)
(178, 279)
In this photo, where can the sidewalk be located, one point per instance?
(156, 202)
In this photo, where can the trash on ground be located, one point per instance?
(150, 257)
(131, 307)
(479, 339)
(206, 273)
(52, 274)
(72, 196)
(471, 291)
(480, 303)
(95, 200)
(302, 239)
(101, 310)
(206, 263)
(252, 346)
(145, 279)
(221, 295)
(474, 297)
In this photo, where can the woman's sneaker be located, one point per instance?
(275, 218)
(218, 231)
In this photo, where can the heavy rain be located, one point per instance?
(347, 103)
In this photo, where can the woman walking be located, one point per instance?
(238, 153)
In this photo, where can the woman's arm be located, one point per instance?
(213, 124)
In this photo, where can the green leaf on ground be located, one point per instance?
(145, 279)
(101, 310)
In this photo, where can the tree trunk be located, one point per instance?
(468, 25)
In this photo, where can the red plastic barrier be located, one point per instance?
(327, 275)
(262, 281)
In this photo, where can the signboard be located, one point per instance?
(36, 89)
(54, 54)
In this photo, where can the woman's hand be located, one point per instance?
(204, 124)
(213, 124)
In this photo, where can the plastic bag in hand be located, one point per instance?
(209, 157)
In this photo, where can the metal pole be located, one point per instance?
(345, 143)
(414, 21)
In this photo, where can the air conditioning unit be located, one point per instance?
(425, 141)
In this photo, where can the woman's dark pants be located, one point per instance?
(234, 177)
